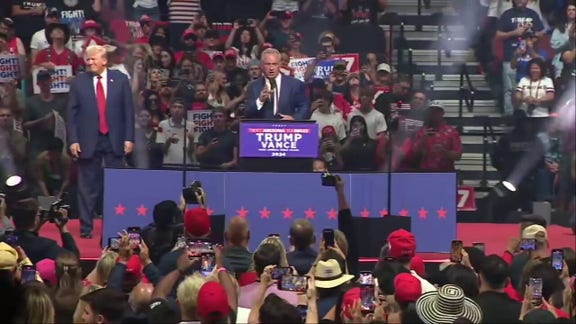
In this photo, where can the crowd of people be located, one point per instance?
(172, 271)
(191, 67)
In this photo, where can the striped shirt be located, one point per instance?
(184, 11)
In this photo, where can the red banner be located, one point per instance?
(466, 199)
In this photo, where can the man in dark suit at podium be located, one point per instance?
(276, 96)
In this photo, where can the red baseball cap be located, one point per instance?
(328, 131)
(402, 244)
(212, 302)
(348, 299)
(90, 24)
(417, 264)
(197, 222)
(407, 288)
(230, 53)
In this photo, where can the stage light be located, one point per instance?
(13, 181)
(508, 185)
(504, 188)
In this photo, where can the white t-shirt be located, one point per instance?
(166, 129)
(39, 41)
(375, 121)
(537, 90)
(333, 119)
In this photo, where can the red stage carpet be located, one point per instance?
(495, 236)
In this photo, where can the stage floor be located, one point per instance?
(495, 236)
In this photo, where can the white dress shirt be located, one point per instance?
(104, 81)
(276, 94)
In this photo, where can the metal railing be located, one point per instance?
(488, 139)
(467, 91)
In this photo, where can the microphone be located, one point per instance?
(273, 87)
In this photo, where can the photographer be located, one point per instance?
(28, 219)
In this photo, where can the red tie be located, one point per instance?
(101, 101)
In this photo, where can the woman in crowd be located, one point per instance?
(560, 41)
(246, 39)
(36, 305)
(68, 287)
(535, 93)
(217, 94)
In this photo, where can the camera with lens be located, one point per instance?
(54, 213)
(189, 193)
(328, 180)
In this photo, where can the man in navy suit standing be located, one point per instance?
(276, 96)
(100, 128)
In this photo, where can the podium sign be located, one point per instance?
(278, 139)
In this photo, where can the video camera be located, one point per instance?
(189, 193)
(53, 213)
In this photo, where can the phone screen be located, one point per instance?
(536, 286)
(558, 259)
(367, 298)
(278, 272)
(293, 283)
(28, 273)
(208, 263)
(366, 278)
(328, 236)
(528, 244)
(11, 238)
(114, 243)
(197, 248)
(456, 251)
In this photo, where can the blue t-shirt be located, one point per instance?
(522, 66)
(510, 20)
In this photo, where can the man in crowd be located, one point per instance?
(177, 135)
(28, 220)
(44, 113)
(217, 147)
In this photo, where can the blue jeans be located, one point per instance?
(153, 13)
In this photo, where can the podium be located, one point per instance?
(277, 145)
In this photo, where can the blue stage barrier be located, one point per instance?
(271, 201)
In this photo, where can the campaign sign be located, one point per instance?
(60, 77)
(270, 202)
(324, 69)
(278, 139)
(202, 120)
(10, 67)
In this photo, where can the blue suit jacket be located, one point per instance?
(293, 100)
(83, 125)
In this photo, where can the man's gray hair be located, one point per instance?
(271, 51)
